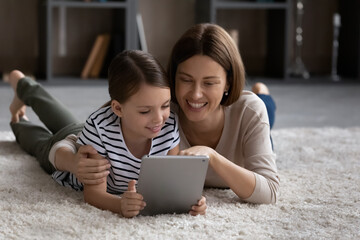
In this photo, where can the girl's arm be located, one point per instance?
(128, 205)
(174, 151)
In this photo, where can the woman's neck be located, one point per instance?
(206, 132)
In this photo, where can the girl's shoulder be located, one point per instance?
(103, 115)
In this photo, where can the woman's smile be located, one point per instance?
(195, 105)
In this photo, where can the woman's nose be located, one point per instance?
(197, 92)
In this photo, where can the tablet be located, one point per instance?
(171, 184)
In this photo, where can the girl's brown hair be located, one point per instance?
(213, 41)
(131, 68)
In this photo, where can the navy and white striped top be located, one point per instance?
(102, 130)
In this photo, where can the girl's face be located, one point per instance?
(200, 83)
(144, 113)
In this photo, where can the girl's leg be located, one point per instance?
(50, 111)
(37, 140)
(34, 140)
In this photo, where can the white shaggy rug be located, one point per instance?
(320, 198)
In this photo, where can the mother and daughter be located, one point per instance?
(210, 114)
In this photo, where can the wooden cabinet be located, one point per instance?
(265, 25)
(66, 43)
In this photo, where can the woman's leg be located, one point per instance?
(50, 111)
(263, 93)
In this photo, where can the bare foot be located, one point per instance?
(17, 107)
(260, 88)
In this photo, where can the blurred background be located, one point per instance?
(306, 51)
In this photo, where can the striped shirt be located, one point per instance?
(103, 131)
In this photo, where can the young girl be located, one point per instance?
(136, 122)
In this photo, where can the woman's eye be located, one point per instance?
(165, 106)
(209, 83)
(186, 80)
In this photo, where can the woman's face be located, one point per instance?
(200, 83)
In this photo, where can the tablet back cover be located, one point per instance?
(171, 184)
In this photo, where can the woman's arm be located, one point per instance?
(87, 170)
(240, 180)
(246, 163)
(128, 205)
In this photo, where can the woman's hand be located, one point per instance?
(199, 208)
(131, 201)
(200, 150)
(90, 167)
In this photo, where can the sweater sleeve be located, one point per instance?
(265, 191)
(259, 157)
(69, 142)
(266, 177)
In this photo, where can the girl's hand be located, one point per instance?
(90, 167)
(200, 208)
(131, 201)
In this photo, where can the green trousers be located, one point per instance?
(38, 140)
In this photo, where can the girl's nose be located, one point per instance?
(158, 116)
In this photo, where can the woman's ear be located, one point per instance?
(227, 86)
(117, 108)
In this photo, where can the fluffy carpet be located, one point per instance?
(320, 198)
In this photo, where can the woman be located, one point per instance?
(217, 118)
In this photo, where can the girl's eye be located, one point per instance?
(144, 112)
(165, 106)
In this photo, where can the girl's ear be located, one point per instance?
(117, 108)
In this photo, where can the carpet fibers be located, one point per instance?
(319, 170)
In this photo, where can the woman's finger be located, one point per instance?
(89, 162)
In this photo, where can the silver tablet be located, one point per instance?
(171, 184)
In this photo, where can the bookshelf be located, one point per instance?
(278, 32)
(129, 24)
